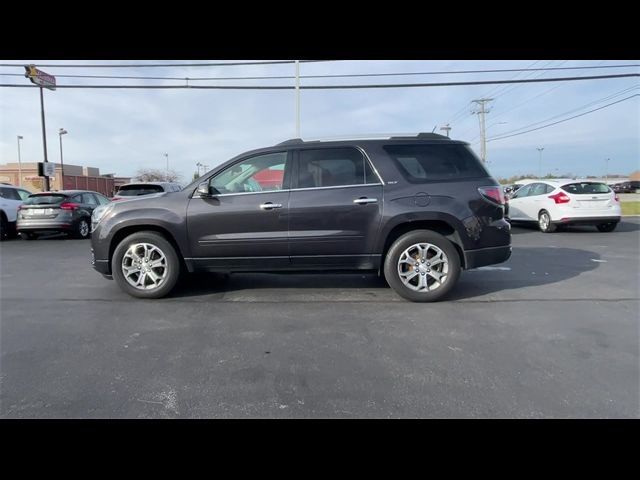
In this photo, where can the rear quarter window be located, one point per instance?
(432, 162)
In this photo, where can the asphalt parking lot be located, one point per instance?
(552, 333)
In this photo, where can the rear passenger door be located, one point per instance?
(335, 209)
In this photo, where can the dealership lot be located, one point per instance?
(553, 332)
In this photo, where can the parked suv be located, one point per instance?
(11, 198)
(59, 211)
(418, 209)
(137, 189)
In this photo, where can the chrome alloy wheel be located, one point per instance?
(144, 266)
(83, 228)
(423, 267)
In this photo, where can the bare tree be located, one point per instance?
(156, 175)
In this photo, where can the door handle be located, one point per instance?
(270, 206)
(364, 201)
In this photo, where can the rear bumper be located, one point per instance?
(486, 256)
(43, 225)
(587, 220)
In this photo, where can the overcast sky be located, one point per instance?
(120, 131)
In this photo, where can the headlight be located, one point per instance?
(98, 213)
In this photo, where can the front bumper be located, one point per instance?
(101, 266)
(486, 256)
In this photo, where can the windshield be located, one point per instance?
(46, 199)
(135, 190)
(585, 188)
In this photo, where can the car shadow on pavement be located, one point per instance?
(527, 267)
(524, 228)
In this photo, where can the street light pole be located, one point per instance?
(166, 177)
(19, 163)
(61, 132)
(297, 99)
(606, 171)
(540, 149)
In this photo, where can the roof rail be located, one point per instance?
(291, 141)
(390, 136)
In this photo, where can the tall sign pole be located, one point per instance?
(43, 80)
(297, 98)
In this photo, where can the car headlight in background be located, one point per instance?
(98, 213)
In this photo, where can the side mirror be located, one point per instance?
(203, 189)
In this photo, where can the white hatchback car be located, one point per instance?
(557, 202)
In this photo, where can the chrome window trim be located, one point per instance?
(289, 190)
(335, 186)
(373, 167)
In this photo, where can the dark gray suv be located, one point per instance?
(416, 209)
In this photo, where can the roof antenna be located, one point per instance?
(434, 129)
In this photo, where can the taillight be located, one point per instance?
(560, 198)
(69, 205)
(616, 197)
(495, 194)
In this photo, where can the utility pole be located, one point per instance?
(446, 128)
(297, 98)
(19, 163)
(481, 110)
(540, 149)
(606, 171)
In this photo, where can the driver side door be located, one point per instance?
(244, 223)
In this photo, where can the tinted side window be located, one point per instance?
(522, 192)
(538, 189)
(9, 193)
(429, 162)
(23, 194)
(261, 173)
(333, 167)
(101, 199)
(89, 199)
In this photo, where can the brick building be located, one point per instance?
(75, 177)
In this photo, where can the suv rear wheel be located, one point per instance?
(145, 265)
(422, 266)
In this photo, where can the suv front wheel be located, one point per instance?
(422, 266)
(145, 265)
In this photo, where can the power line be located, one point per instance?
(392, 74)
(566, 119)
(156, 65)
(582, 107)
(338, 87)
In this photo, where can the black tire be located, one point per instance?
(607, 227)
(28, 236)
(4, 227)
(82, 229)
(406, 241)
(544, 222)
(173, 265)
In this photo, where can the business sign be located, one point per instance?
(39, 77)
(46, 169)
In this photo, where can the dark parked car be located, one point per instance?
(418, 209)
(137, 189)
(60, 211)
